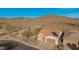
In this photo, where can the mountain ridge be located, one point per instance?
(49, 21)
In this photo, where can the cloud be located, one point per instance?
(73, 15)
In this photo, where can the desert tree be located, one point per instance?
(28, 33)
(36, 32)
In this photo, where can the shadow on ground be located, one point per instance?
(14, 45)
(73, 46)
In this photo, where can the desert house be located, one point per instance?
(46, 34)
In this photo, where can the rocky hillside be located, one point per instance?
(49, 21)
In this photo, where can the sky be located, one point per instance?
(38, 12)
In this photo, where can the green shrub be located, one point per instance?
(36, 31)
(28, 33)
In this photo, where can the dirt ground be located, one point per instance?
(41, 44)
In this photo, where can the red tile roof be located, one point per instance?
(48, 32)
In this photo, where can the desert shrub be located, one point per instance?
(28, 33)
(1, 27)
(36, 31)
(2, 23)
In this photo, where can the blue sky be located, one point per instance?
(37, 12)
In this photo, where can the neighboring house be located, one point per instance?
(47, 34)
